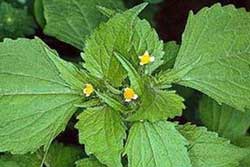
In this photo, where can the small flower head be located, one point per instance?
(146, 58)
(129, 95)
(88, 90)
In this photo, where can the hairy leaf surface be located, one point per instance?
(156, 144)
(214, 57)
(71, 21)
(102, 131)
(206, 149)
(223, 119)
(158, 105)
(36, 100)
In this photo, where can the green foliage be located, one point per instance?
(19, 3)
(223, 119)
(126, 35)
(244, 142)
(40, 92)
(156, 144)
(214, 56)
(102, 131)
(153, 1)
(171, 50)
(62, 156)
(29, 160)
(15, 22)
(36, 99)
(158, 105)
(39, 12)
(88, 162)
(206, 149)
(71, 21)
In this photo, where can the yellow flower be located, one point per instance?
(129, 95)
(88, 90)
(146, 58)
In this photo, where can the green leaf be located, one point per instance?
(214, 57)
(27, 160)
(62, 156)
(102, 131)
(171, 50)
(36, 100)
(223, 119)
(71, 21)
(158, 105)
(89, 162)
(15, 22)
(206, 149)
(127, 35)
(153, 1)
(135, 78)
(244, 141)
(156, 144)
(110, 101)
(75, 77)
(39, 12)
(106, 11)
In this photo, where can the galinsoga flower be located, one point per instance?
(88, 90)
(129, 95)
(146, 58)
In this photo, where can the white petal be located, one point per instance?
(127, 100)
(152, 58)
(146, 53)
(141, 64)
(84, 91)
(135, 97)
(141, 120)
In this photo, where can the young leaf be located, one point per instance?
(158, 105)
(27, 160)
(77, 20)
(15, 22)
(223, 119)
(62, 156)
(102, 131)
(214, 57)
(156, 144)
(35, 101)
(135, 79)
(112, 102)
(127, 35)
(89, 162)
(206, 149)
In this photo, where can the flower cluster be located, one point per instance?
(128, 93)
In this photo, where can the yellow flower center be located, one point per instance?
(88, 90)
(146, 58)
(129, 95)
